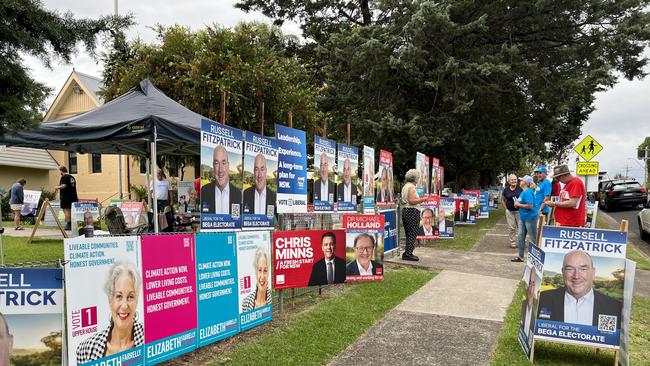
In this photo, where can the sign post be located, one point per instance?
(588, 148)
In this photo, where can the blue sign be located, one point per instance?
(484, 205)
(446, 213)
(292, 170)
(347, 190)
(391, 238)
(324, 187)
(260, 181)
(216, 277)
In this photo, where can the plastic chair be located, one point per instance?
(117, 225)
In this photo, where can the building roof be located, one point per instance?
(89, 84)
(93, 84)
(27, 158)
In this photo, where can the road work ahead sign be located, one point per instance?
(588, 148)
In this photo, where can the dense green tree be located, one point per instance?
(641, 154)
(27, 28)
(249, 62)
(485, 86)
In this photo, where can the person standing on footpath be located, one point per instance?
(411, 213)
(528, 214)
(570, 208)
(543, 191)
(68, 194)
(17, 200)
(511, 191)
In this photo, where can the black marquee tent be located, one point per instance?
(125, 125)
(143, 121)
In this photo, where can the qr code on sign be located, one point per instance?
(606, 323)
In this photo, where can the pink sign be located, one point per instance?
(169, 283)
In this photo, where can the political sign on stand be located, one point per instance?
(591, 209)
(368, 179)
(324, 192)
(461, 211)
(32, 309)
(484, 205)
(435, 186)
(446, 214)
(216, 272)
(473, 202)
(292, 170)
(187, 198)
(364, 236)
(133, 212)
(104, 295)
(588, 266)
(254, 271)
(533, 279)
(391, 231)
(347, 191)
(260, 181)
(222, 168)
(48, 218)
(428, 218)
(308, 258)
(30, 202)
(422, 166)
(169, 281)
(385, 196)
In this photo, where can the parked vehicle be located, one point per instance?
(619, 193)
(644, 222)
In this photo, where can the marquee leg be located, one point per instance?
(532, 352)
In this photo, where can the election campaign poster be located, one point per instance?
(30, 202)
(368, 179)
(48, 218)
(441, 177)
(308, 258)
(587, 268)
(216, 272)
(85, 213)
(428, 212)
(391, 231)
(533, 281)
(103, 286)
(434, 186)
(347, 189)
(422, 166)
(484, 205)
(324, 190)
(385, 195)
(591, 208)
(292, 170)
(254, 271)
(133, 212)
(364, 237)
(446, 214)
(188, 197)
(260, 181)
(32, 314)
(461, 211)
(473, 202)
(221, 176)
(169, 281)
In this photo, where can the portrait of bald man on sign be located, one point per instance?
(346, 191)
(221, 196)
(259, 199)
(324, 186)
(577, 301)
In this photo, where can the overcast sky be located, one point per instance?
(620, 122)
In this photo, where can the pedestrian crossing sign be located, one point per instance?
(588, 148)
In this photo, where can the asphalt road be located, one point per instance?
(633, 228)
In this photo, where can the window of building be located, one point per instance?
(72, 163)
(96, 163)
(172, 168)
(143, 166)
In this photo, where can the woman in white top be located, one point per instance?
(411, 213)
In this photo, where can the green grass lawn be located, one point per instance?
(319, 333)
(509, 352)
(16, 249)
(465, 236)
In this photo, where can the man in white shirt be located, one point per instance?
(364, 248)
(259, 199)
(346, 191)
(323, 187)
(221, 196)
(163, 190)
(578, 302)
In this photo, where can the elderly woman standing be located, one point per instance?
(527, 215)
(411, 213)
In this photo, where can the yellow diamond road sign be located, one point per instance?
(588, 148)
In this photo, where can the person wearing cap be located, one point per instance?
(509, 193)
(543, 191)
(527, 215)
(570, 208)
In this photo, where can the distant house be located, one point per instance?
(97, 175)
(32, 164)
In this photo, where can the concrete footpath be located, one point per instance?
(455, 318)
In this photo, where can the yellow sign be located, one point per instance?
(587, 168)
(588, 148)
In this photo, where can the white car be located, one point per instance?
(644, 221)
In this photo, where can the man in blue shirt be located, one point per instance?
(543, 191)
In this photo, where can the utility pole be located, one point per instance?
(645, 166)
